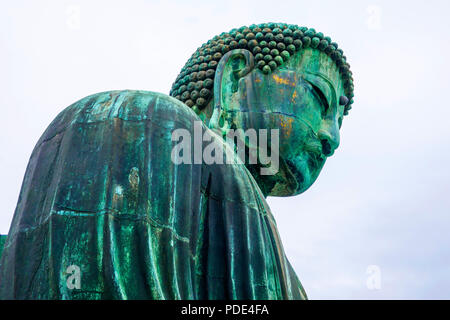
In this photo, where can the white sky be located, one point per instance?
(382, 199)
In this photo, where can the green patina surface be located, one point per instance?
(101, 192)
(2, 243)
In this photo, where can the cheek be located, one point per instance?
(274, 93)
(284, 102)
(307, 109)
(293, 136)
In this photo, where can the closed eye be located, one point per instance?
(321, 96)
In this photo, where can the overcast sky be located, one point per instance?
(376, 223)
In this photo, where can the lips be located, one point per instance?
(294, 171)
(313, 158)
(316, 160)
(316, 152)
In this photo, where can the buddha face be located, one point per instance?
(304, 99)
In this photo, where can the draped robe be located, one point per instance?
(101, 193)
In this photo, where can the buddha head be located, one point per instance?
(275, 77)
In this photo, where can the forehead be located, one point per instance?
(318, 67)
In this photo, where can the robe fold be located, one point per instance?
(104, 213)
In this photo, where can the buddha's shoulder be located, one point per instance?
(127, 105)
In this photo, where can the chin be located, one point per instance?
(304, 172)
(295, 176)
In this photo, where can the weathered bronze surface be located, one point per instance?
(2, 243)
(102, 199)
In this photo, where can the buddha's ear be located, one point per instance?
(234, 65)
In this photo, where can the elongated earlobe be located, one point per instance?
(234, 65)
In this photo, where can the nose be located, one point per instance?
(329, 137)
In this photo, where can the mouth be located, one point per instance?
(317, 149)
(295, 172)
(316, 153)
(307, 160)
(315, 159)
